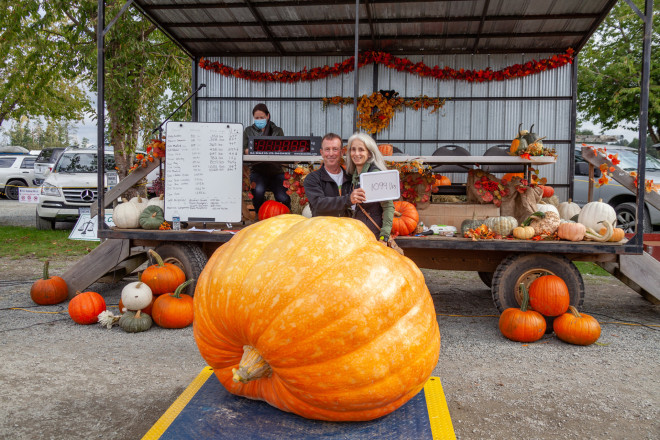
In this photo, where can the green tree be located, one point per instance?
(36, 76)
(34, 136)
(147, 76)
(609, 71)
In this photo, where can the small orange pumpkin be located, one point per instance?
(386, 149)
(522, 325)
(174, 310)
(509, 176)
(548, 191)
(442, 181)
(162, 277)
(84, 308)
(49, 290)
(269, 209)
(576, 328)
(548, 295)
(571, 231)
(406, 218)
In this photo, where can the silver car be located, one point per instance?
(620, 198)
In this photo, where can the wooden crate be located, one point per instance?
(453, 214)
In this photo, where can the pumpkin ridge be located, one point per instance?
(300, 392)
(425, 344)
(337, 321)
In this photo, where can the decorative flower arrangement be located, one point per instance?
(155, 149)
(417, 180)
(293, 182)
(375, 112)
(490, 189)
(165, 226)
(614, 159)
(482, 232)
(393, 62)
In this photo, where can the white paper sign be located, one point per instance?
(87, 228)
(28, 195)
(203, 172)
(381, 185)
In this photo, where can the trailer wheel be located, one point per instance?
(517, 269)
(189, 257)
(487, 278)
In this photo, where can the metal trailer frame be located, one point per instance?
(490, 257)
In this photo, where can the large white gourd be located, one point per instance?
(594, 212)
(126, 215)
(568, 210)
(140, 202)
(158, 201)
(546, 207)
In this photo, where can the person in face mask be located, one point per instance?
(265, 176)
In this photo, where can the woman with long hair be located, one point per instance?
(363, 156)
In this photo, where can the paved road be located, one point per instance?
(13, 213)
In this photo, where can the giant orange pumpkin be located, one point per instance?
(406, 218)
(315, 317)
(271, 208)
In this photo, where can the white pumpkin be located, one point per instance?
(307, 211)
(568, 210)
(136, 296)
(126, 215)
(140, 202)
(158, 201)
(546, 207)
(594, 212)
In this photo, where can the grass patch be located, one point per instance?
(588, 268)
(21, 242)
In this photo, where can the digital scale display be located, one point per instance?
(284, 145)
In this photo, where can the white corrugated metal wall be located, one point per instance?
(488, 111)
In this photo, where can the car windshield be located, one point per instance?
(82, 163)
(628, 160)
(49, 154)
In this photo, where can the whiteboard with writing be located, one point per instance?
(204, 171)
(381, 185)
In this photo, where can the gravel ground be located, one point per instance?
(59, 380)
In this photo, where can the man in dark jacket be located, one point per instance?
(329, 188)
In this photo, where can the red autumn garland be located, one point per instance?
(394, 62)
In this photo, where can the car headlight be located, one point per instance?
(50, 190)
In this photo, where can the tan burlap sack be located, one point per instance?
(474, 195)
(520, 205)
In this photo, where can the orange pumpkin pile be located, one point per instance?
(548, 296)
(315, 317)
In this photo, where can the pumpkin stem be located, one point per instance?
(180, 287)
(251, 367)
(159, 260)
(397, 214)
(539, 214)
(525, 301)
(137, 314)
(574, 311)
(46, 263)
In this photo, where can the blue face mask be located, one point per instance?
(260, 123)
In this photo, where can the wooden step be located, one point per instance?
(107, 257)
(639, 272)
